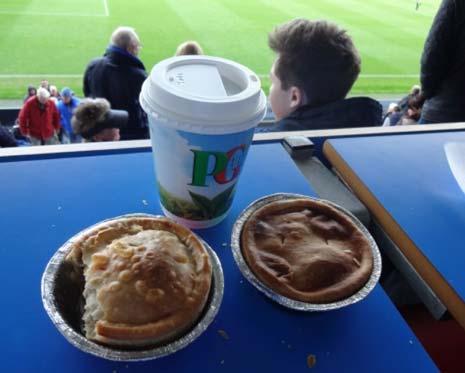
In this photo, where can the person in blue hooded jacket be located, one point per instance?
(118, 77)
(66, 107)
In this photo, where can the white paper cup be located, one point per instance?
(202, 112)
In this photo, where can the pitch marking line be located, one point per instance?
(369, 76)
(51, 14)
(60, 14)
(105, 5)
(389, 76)
(9, 76)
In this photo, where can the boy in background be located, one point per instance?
(315, 67)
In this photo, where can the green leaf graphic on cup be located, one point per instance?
(203, 203)
(223, 201)
(200, 208)
(179, 206)
(212, 208)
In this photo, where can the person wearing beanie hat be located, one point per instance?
(39, 119)
(66, 106)
(95, 121)
(66, 92)
(31, 91)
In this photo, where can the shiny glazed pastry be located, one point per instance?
(306, 250)
(147, 281)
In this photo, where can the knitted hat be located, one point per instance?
(94, 115)
(66, 92)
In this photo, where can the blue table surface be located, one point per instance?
(420, 193)
(45, 200)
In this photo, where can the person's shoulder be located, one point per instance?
(96, 61)
(140, 71)
(51, 105)
(30, 100)
(363, 103)
(29, 103)
(136, 71)
(285, 124)
(136, 66)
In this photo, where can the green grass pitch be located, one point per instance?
(55, 39)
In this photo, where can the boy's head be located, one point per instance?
(189, 48)
(316, 64)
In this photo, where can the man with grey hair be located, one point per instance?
(39, 119)
(118, 77)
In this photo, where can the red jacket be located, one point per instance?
(36, 123)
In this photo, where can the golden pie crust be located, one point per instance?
(147, 280)
(306, 250)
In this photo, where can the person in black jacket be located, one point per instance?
(443, 65)
(118, 77)
(315, 68)
(6, 138)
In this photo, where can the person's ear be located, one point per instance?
(297, 97)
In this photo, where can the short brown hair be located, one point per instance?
(316, 56)
(189, 48)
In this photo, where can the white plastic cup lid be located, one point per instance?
(204, 94)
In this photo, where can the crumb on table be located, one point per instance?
(223, 334)
(311, 360)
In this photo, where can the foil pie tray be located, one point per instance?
(282, 300)
(61, 298)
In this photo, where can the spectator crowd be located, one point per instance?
(111, 109)
(315, 67)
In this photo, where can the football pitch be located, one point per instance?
(55, 39)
